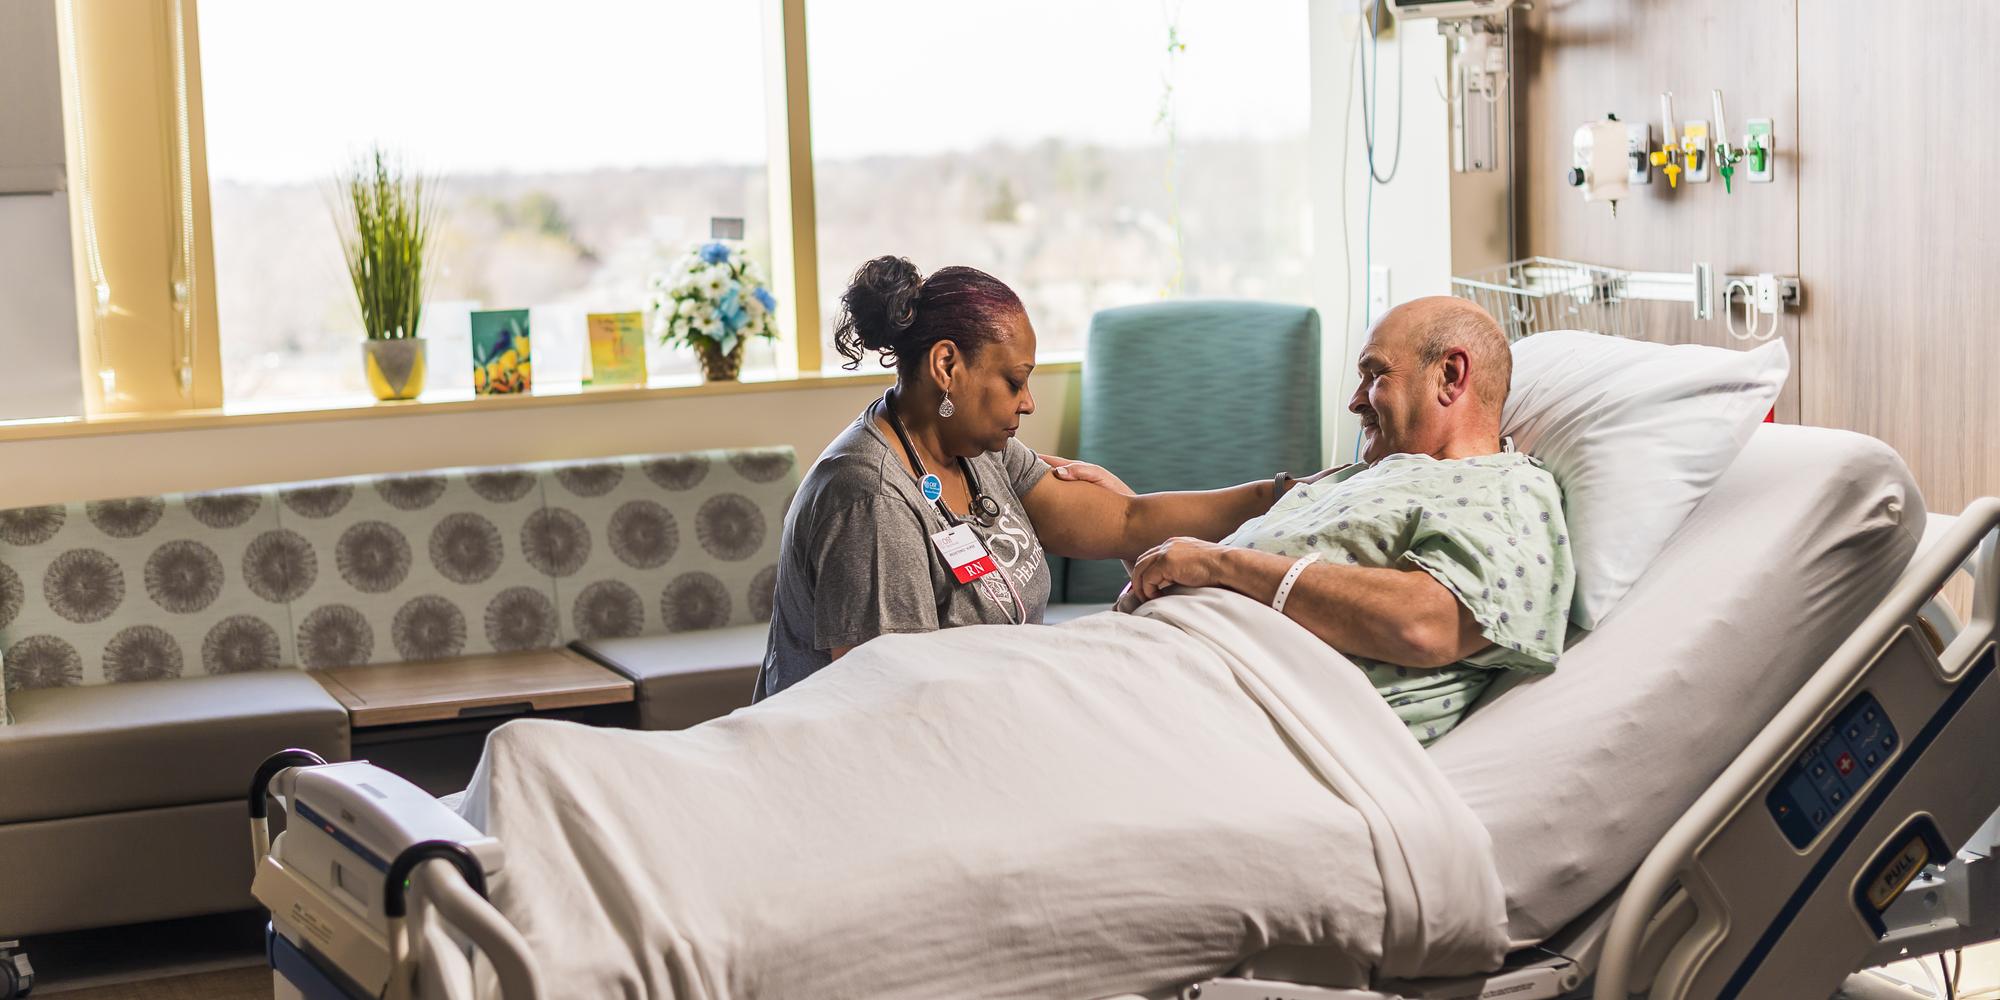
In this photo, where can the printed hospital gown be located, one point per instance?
(1490, 528)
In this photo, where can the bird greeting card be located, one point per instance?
(500, 352)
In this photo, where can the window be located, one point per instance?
(1065, 149)
(578, 147)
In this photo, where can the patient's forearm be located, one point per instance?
(1209, 515)
(1400, 616)
(1082, 520)
(1086, 521)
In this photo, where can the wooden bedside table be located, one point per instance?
(428, 721)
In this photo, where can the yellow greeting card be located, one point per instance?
(617, 349)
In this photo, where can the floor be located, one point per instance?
(200, 958)
(222, 958)
(1980, 973)
(252, 983)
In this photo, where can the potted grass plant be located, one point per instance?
(386, 219)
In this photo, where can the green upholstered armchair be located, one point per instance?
(1191, 396)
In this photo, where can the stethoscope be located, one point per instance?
(983, 509)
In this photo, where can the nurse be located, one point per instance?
(927, 512)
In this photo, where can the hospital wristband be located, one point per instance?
(1291, 577)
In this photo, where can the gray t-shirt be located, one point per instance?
(858, 561)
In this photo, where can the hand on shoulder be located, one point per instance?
(1073, 471)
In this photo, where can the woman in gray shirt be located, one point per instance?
(927, 512)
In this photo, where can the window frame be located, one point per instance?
(122, 88)
(149, 344)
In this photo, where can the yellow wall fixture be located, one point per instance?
(794, 216)
(139, 205)
(185, 277)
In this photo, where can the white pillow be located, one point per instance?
(1635, 434)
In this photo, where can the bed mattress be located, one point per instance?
(1579, 773)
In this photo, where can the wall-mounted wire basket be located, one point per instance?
(1540, 294)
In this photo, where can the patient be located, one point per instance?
(1439, 562)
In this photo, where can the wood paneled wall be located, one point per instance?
(1884, 203)
(1578, 60)
(1899, 233)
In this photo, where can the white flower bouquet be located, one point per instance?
(713, 300)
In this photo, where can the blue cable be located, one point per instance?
(1368, 218)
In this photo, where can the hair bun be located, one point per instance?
(880, 313)
(881, 301)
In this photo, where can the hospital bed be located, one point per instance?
(1728, 790)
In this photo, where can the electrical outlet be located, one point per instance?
(1378, 291)
(1767, 294)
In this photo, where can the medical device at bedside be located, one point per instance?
(1479, 56)
(337, 881)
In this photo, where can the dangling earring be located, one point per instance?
(945, 409)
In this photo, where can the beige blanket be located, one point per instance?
(1121, 804)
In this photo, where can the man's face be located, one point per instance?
(1397, 399)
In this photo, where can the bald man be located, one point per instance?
(1440, 560)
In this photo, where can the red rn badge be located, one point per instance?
(964, 553)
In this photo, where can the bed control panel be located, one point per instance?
(1832, 770)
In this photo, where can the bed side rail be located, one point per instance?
(442, 887)
(1879, 765)
(418, 876)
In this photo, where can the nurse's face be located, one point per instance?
(990, 393)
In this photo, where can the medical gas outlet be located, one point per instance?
(1668, 156)
(1726, 155)
(1755, 156)
(1760, 151)
(1638, 143)
(1694, 152)
(1690, 151)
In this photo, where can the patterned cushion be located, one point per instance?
(389, 568)
(418, 567)
(666, 543)
(143, 588)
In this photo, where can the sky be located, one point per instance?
(293, 90)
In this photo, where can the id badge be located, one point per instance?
(964, 553)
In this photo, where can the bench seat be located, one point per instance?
(682, 679)
(104, 748)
